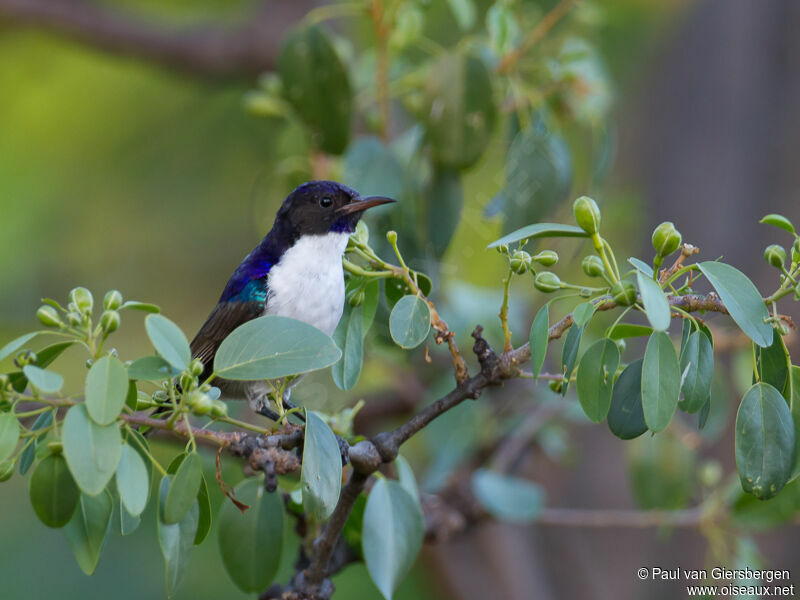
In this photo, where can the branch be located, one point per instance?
(213, 51)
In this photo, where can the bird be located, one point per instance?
(295, 271)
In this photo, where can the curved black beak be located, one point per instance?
(361, 204)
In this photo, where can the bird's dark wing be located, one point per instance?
(225, 317)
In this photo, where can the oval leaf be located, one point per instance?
(539, 338)
(29, 453)
(168, 340)
(641, 267)
(270, 347)
(506, 498)
(151, 368)
(410, 322)
(764, 441)
(106, 389)
(204, 518)
(655, 302)
(251, 543)
(779, 221)
(54, 495)
(697, 362)
(624, 331)
(741, 298)
(596, 373)
(92, 451)
(392, 534)
(321, 475)
(176, 540)
(773, 364)
(583, 313)
(183, 489)
(87, 530)
(661, 381)
(9, 434)
(133, 481)
(540, 230)
(15, 344)
(348, 336)
(569, 354)
(45, 381)
(626, 416)
(128, 523)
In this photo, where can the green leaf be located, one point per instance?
(655, 302)
(92, 451)
(794, 384)
(204, 518)
(459, 110)
(270, 347)
(661, 381)
(128, 523)
(45, 381)
(169, 341)
(596, 373)
(29, 453)
(539, 338)
(321, 475)
(624, 331)
(176, 540)
(569, 354)
(444, 201)
(410, 322)
(539, 230)
(741, 298)
(87, 530)
(750, 512)
(405, 475)
(133, 481)
(641, 267)
(773, 364)
(48, 354)
(396, 288)
(15, 344)
(183, 490)
(662, 472)
(9, 434)
(251, 543)
(106, 389)
(151, 368)
(507, 498)
(464, 12)
(779, 221)
(53, 493)
(392, 534)
(764, 441)
(697, 365)
(626, 416)
(317, 85)
(142, 306)
(350, 340)
(583, 313)
(370, 306)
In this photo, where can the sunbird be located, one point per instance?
(296, 271)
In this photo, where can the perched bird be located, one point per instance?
(296, 271)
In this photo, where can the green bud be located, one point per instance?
(109, 322)
(82, 298)
(356, 298)
(621, 344)
(6, 470)
(585, 292)
(55, 447)
(197, 367)
(113, 352)
(205, 388)
(710, 473)
(89, 362)
(186, 381)
(391, 237)
(160, 396)
(587, 214)
(592, 266)
(547, 282)
(219, 408)
(666, 239)
(520, 262)
(556, 385)
(48, 316)
(361, 234)
(4, 382)
(74, 319)
(112, 300)
(502, 248)
(200, 403)
(623, 293)
(26, 357)
(546, 258)
(775, 255)
(796, 252)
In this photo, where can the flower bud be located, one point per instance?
(112, 300)
(502, 248)
(82, 298)
(26, 357)
(587, 214)
(200, 403)
(556, 385)
(623, 293)
(585, 292)
(48, 316)
(6, 470)
(89, 362)
(186, 381)
(361, 234)
(666, 239)
(775, 255)
(74, 319)
(520, 262)
(4, 382)
(160, 396)
(391, 237)
(796, 251)
(197, 367)
(356, 298)
(710, 473)
(592, 266)
(55, 447)
(547, 282)
(219, 408)
(546, 258)
(109, 321)
(621, 345)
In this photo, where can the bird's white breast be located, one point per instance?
(308, 282)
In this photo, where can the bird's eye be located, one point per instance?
(325, 202)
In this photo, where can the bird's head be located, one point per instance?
(320, 207)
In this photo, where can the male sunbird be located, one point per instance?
(296, 271)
